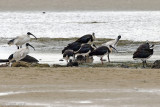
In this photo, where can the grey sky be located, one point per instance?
(69, 5)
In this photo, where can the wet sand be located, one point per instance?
(79, 87)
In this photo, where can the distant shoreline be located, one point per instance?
(79, 11)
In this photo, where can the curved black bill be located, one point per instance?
(31, 46)
(61, 60)
(34, 36)
(114, 48)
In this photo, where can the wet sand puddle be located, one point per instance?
(76, 96)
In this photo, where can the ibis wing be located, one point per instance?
(142, 53)
(83, 50)
(11, 42)
(75, 46)
(143, 46)
(68, 53)
(84, 39)
(100, 51)
(19, 54)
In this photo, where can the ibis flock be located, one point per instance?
(83, 47)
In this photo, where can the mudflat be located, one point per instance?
(85, 87)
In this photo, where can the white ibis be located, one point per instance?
(20, 40)
(143, 52)
(20, 54)
(86, 38)
(102, 51)
(113, 43)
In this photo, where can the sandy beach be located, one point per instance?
(79, 87)
(91, 85)
(79, 5)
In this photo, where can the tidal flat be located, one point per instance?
(48, 51)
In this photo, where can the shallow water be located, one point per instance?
(135, 25)
(50, 52)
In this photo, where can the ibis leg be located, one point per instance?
(143, 64)
(17, 47)
(146, 63)
(85, 58)
(108, 58)
(101, 60)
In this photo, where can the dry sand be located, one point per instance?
(72, 5)
(84, 87)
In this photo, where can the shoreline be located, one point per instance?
(48, 51)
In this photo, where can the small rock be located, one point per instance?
(40, 65)
(57, 65)
(20, 64)
(82, 59)
(3, 65)
(71, 63)
(124, 66)
(156, 64)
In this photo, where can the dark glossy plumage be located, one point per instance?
(143, 51)
(100, 51)
(10, 57)
(28, 59)
(75, 46)
(68, 53)
(11, 41)
(86, 38)
(85, 48)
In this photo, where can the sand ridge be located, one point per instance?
(92, 76)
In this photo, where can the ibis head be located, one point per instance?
(111, 47)
(27, 44)
(119, 37)
(32, 35)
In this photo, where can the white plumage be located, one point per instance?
(20, 54)
(113, 43)
(20, 40)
